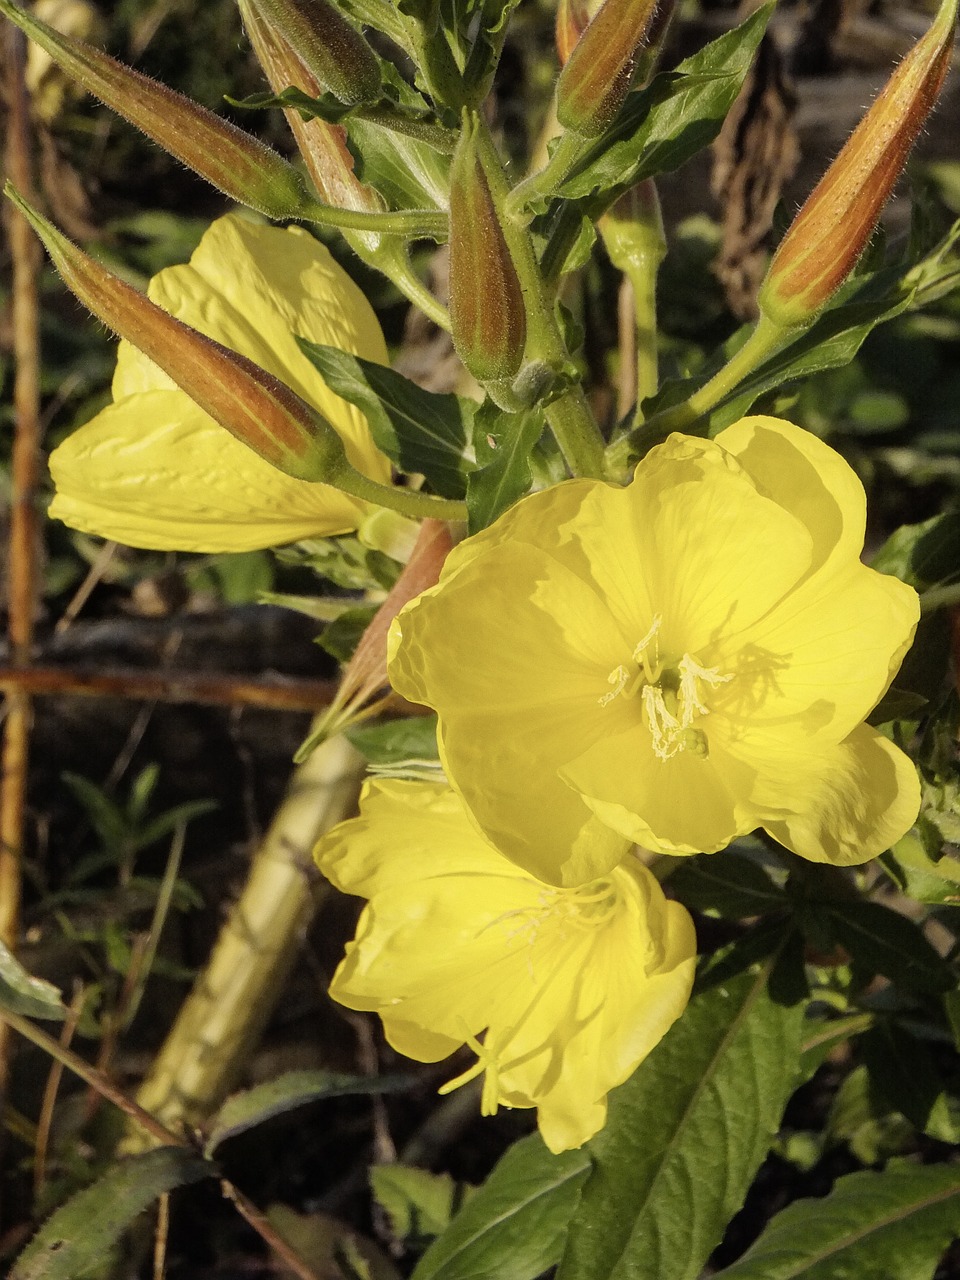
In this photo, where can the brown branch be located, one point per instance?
(168, 686)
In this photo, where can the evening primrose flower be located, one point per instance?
(154, 470)
(569, 988)
(672, 663)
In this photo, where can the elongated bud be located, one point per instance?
(236, 163)
(571, 22)
(597, 77)
(333, 51)
(487, 314)
(261, 411)
(322, 145)
(834, 226)
(632, 231)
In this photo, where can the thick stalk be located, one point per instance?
(208, 1045)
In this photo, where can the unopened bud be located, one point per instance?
(322, 145)
(487, 314)
(835, 224)
(599, 72)
(238, 164)
(254, 406)
(333, 51)
(632, 230)
(571, 22)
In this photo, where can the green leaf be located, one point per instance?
(893, 1225)
(884, 941)
(503, 443)
(726, 884)
(685, 1136)
(341, 637)
(923, 554)
(81, 1233)
(418, 430)
(514, 1225)
(22, 993)
(396, 741)
(419, 1204)
(292, 1089)
(107, 818)
(680, 113)
(903, 1072)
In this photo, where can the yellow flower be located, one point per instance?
(573, 987)
(153, 470)
(673, 663)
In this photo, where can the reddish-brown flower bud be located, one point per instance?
(322, 145)
(333, 51)
(597, 77)
(835, 224)
(236, 163)
(261, 411)
(571, 22)
(487, 313)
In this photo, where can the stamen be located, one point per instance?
(688, 695)
(619, 677)
(651, 671)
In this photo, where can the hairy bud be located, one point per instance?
(254, 406)
(487, 313)
(596, 79)
(835, 224)
(333, 51)
(236, 163)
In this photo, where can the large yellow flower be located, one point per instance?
(573, 987)
(673, 663)
(153, 470)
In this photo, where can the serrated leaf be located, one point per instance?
(883, 941)
(893, 1225)
(679, 114)
(292, 1089)
(421, 431)
(515, 1224)
(82, 1232)
(685, 1136)
(503, 443)
(396, 741)
(21, 992)
(419, 1204)
(728, 884)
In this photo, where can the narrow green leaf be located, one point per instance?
(293, 1089)
(685, 1136)
(515, 1224)
(418, 430)
(884, 941)
(82, 1232)
(503, 443)
(396, 741)
(883, 1226)
(22, 993)
(678, 115)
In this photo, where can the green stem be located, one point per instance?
(413, 224)
(940, 598)
(570, 147)
(409, 502)
(764, 340)
(645, 310)
(576, 432)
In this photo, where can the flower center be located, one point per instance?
(672, 694)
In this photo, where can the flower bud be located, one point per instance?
(322, 145)
(334, 52)
(835, 224)
(572, 19)
(597, 77)
(260, 410)
(487, 314)
(632, 231)
(238, 164)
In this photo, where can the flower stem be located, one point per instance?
(409, 502)
(576, 432)
(413, 224)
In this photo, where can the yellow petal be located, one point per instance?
(515, 651)
(865, 796)
(155, 471)
(252, 287)
(807, 478)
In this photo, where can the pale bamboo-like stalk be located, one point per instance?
(22, 547)
(208, 1045)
